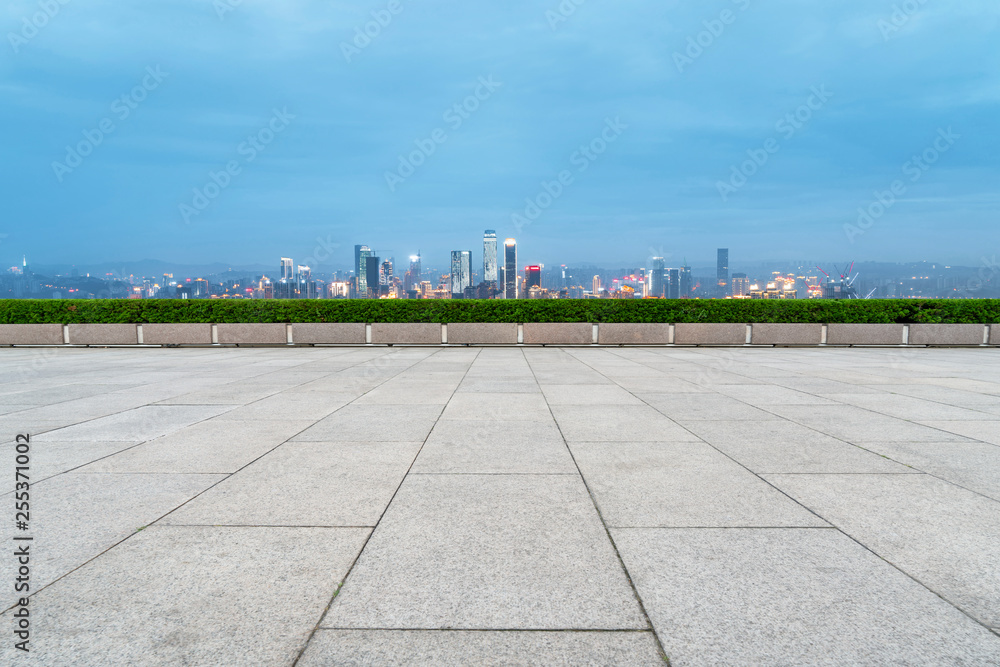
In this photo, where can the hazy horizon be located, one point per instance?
(225, 131)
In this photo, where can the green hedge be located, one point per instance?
(881, 311)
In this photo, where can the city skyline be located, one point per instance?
(865, 134)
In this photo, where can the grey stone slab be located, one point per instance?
(306, 484)
(938, 533)
(946, 334)
(791, 597)
(193, 596)
(994, 334)
(710, 334)
(413, 393)
(915, 409)
(769, 446)
(31, 334)
(402, 334)
(618, 423)
(488, 552)
(665, 484)
(252, 334)
(231, 393)
(864, 334)
(765, 395)
(53, 457)
(328, 333)
(858, 426)
(528, 385)
(498, 407)
(177, 334)
(610, 394)
(434, 647)
(284, 406)
(103, 334)
(972, 465)
(986, 431)
(633, 334)
(495, 447)
(688, 407)
(786, 334)
(374, 423)
(558, 333)
(482, 334)
(144, 423)
(214, 446)
(77, 516)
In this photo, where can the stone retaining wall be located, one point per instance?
(531, 333)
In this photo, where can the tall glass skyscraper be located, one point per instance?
(656, 278)
(674, 286)
(461, 272)
(286, 269)
(685, 282)
(723, 271)
(361, 255)
(490, 257)
(371, 272)
(510, 274)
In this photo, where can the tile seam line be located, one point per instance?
(830, 435)
(155, 521)
(343, 581)
(634, 631)
(600, 517)
(843, 532)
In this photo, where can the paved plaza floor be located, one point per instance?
(408, 505)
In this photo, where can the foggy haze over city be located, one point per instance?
(593, 136)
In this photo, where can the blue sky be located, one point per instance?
(874, 83)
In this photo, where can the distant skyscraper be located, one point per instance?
(490, 256)
(597, 285)
(286, 269)
(674, 285)
(412, 280)
(510, 274)
(532, 276)
(741, 284)
(461, 272)
(371, 272)
(723, 271)
(656, 279)
(361, 255)
(385, 274)
(685, 282)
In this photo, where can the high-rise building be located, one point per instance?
(385, 273)
(490, 257)
(686, 285)
(510, 274)
(722, 270)
(411, 281)
(461, 272)
(371, 271)
(532, 276)
(674, 284)
(286, 269)
(656, 279)
(361, 255)
(741, 285)
(597, 285)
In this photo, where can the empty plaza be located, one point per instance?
(522, 505)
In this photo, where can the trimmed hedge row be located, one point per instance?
(881, 311)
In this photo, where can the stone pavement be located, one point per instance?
(328, 506)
